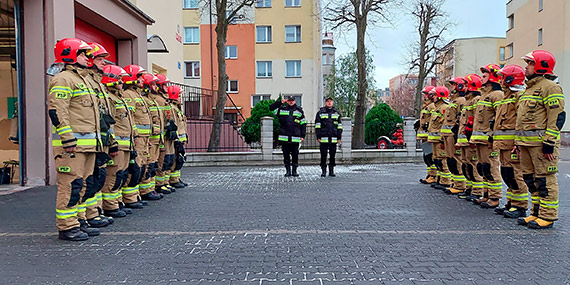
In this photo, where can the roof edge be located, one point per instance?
(137, 11)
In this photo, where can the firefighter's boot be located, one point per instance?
(464, 194)
(294, 172)
(540, 224)
(525, 221)
(323, 171)
(514, 213)
(480, 200)
(163, 190)
(331, 171)
(98, 222)
(490, 204)
(151, 196)
(502, 210)
(74, 234)
(171, 188)
(178, 185)
(84, 227)
(115, 213)
(135, 205)
(124, 209)
(287, 171)
(430, 180)
(453, 191)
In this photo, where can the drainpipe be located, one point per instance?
(21, 100)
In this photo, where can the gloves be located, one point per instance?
(171, 129)
(441, 145)
(547, 149)
(133, 155)
(425, 126)
(417, 125)
(492, 124)
(469, 124)
(179, 147)
(114, 149)
(101, 159)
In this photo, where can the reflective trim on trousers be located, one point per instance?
(65, 214)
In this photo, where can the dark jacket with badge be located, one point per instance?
(293, 125)
(328, 126)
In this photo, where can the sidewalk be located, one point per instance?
(251, 225)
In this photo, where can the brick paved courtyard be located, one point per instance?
(371, 224)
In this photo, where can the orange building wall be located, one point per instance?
(241, 69)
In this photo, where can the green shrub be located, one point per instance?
(251, 128)
(380, 121)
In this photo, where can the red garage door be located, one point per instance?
(89, 33)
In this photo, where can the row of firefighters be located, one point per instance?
(493, 127)
(118, 138)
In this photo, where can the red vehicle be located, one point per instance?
(397, 140)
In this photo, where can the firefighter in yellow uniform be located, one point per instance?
(434, 136)
(449, 132)
(488, 164)
(180, 119)
(474, 183)
(73, 111)
(422, 136)
(540, 118)
(504, 139)
(124, 133)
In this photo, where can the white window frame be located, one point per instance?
(502, 54)
(228, 87)
(187, 4)
(195, 41)
(268, 69)
(192, 68)
(263, 3)
(511, 50)
(296, 31)
(511, 21)
(229, 52)
(261, 98)
(292, 3)
(267, 30)
(297, 68)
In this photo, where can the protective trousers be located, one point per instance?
(116, 177)
(539, 174)
(469, 157)
(149, 179)
(331, 149)
(453, 158)
(428, 159)
(165, 163)
(488, 167)
(137, 168)
(440, 160)
(517, 191)
(290, 154)
(176, 166)
(73, 172)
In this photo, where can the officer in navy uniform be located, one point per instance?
(293, 128)
(328, 129)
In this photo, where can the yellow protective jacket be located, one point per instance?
(425, 115)
(436, 122)
(484, 113)
(467, 111)
(93, 80)
(163, 109)
(505, 121)
(451, 115)
(73, 110)
(540, 113)
(140, 109)
(180, 119)
(125, 129)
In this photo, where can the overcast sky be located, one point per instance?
(389, 45)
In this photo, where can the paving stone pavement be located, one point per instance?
(372, 224)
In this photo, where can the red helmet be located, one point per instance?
(148, 79)
(133, 71)
(66, 50)
(473, 82)
(112, 75)
(96, 50)
(460, 83)
(442, 92)
(544, 61)
(162, 79)
(173, 92)
(427, 89)
(512, 75)
(493, 70)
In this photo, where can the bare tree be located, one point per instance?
(431, 24)
(359, 13)
(223, 20)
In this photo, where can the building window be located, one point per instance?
(264, 69)
(263, 4)
(256, 98)
(190, 4)
(263, 34)
(502, 53)
(510, 50)
(191, 69)
(292, 34)
(232, 86)
(293, 68)
(540, 37)
(292, 3)
(231, 52)
(191, 35)
(511, 21)
(298, 98)
(540, 5)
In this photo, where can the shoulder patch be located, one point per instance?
(60, 95)
(81, 85)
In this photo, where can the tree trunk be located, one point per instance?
(221, 34)
(358, 131)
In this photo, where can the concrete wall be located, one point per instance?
(471, 54)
